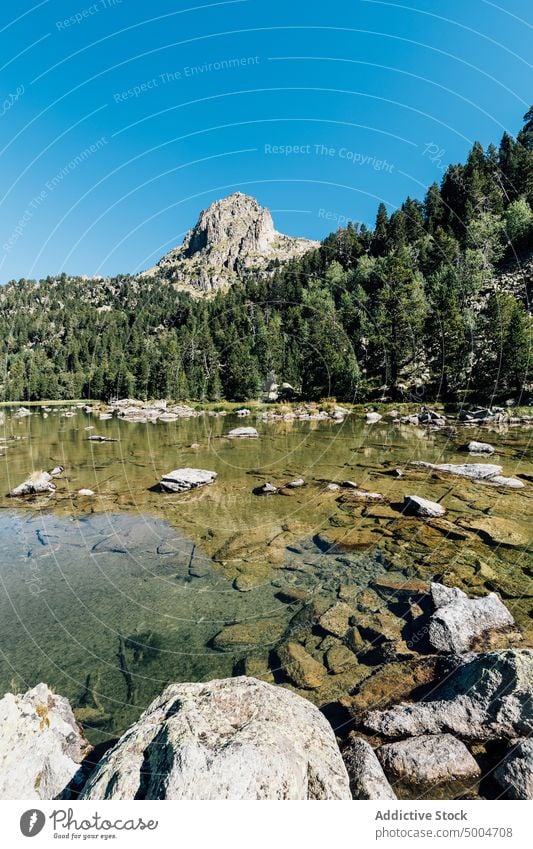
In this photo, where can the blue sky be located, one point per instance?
(121, 120)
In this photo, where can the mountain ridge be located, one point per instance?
(232, 237)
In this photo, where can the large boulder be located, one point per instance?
(487, 696)
(41, 745)
(459, 620)
(430, 759)
(367, 779)
(515, 774)
(181, 480)
(236, 738)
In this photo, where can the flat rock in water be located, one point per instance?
(298, 665)
(458, 622)
(181, 480)
(372, 418)
(41, 745)
(266, 489)
(96, 438)
(429, 759)
(236, 738)
(488, 696)
(37, 483)
(479, 448)
(295, 484)
(336, 620)
(418, 506)
(497, 531)
(242, 635)
(367, 779)
(515, 774)
(475, 471)
(243, 432)
(336, 540)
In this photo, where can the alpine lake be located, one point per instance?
(107, 598)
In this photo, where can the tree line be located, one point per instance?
(412, 308)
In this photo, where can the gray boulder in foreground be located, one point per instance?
(181, 480)
(417, 506)
(487, 696)
(430, 759)
(235, 738)
(459, 620)
(36, 483)
(515, 774)
(41, 745)
(367, 779)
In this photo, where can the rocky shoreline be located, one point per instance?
(459, 727)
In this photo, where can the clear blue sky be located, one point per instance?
(121, 120)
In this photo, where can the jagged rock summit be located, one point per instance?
(233, 236)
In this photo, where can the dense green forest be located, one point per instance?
(412, 309)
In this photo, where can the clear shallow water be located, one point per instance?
(109, 599)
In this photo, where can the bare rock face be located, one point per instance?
(458, 619)
(430, 759)
(515, 774)
(367, 779)
(488, 696)
(41, 745)
(236, 738)
(233, 236)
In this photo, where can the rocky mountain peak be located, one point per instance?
(233, 236)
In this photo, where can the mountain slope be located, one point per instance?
(233, 237)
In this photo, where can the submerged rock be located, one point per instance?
(487, 696)
(38, 482)
(236, 738)
(181, 480)
(336, 620)
(430, 759)
(418, 506)
(298, 665)
(459, 620)
(41, 745)
(243, 635)
(496, 531)
(367, 779)
(515, 774)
